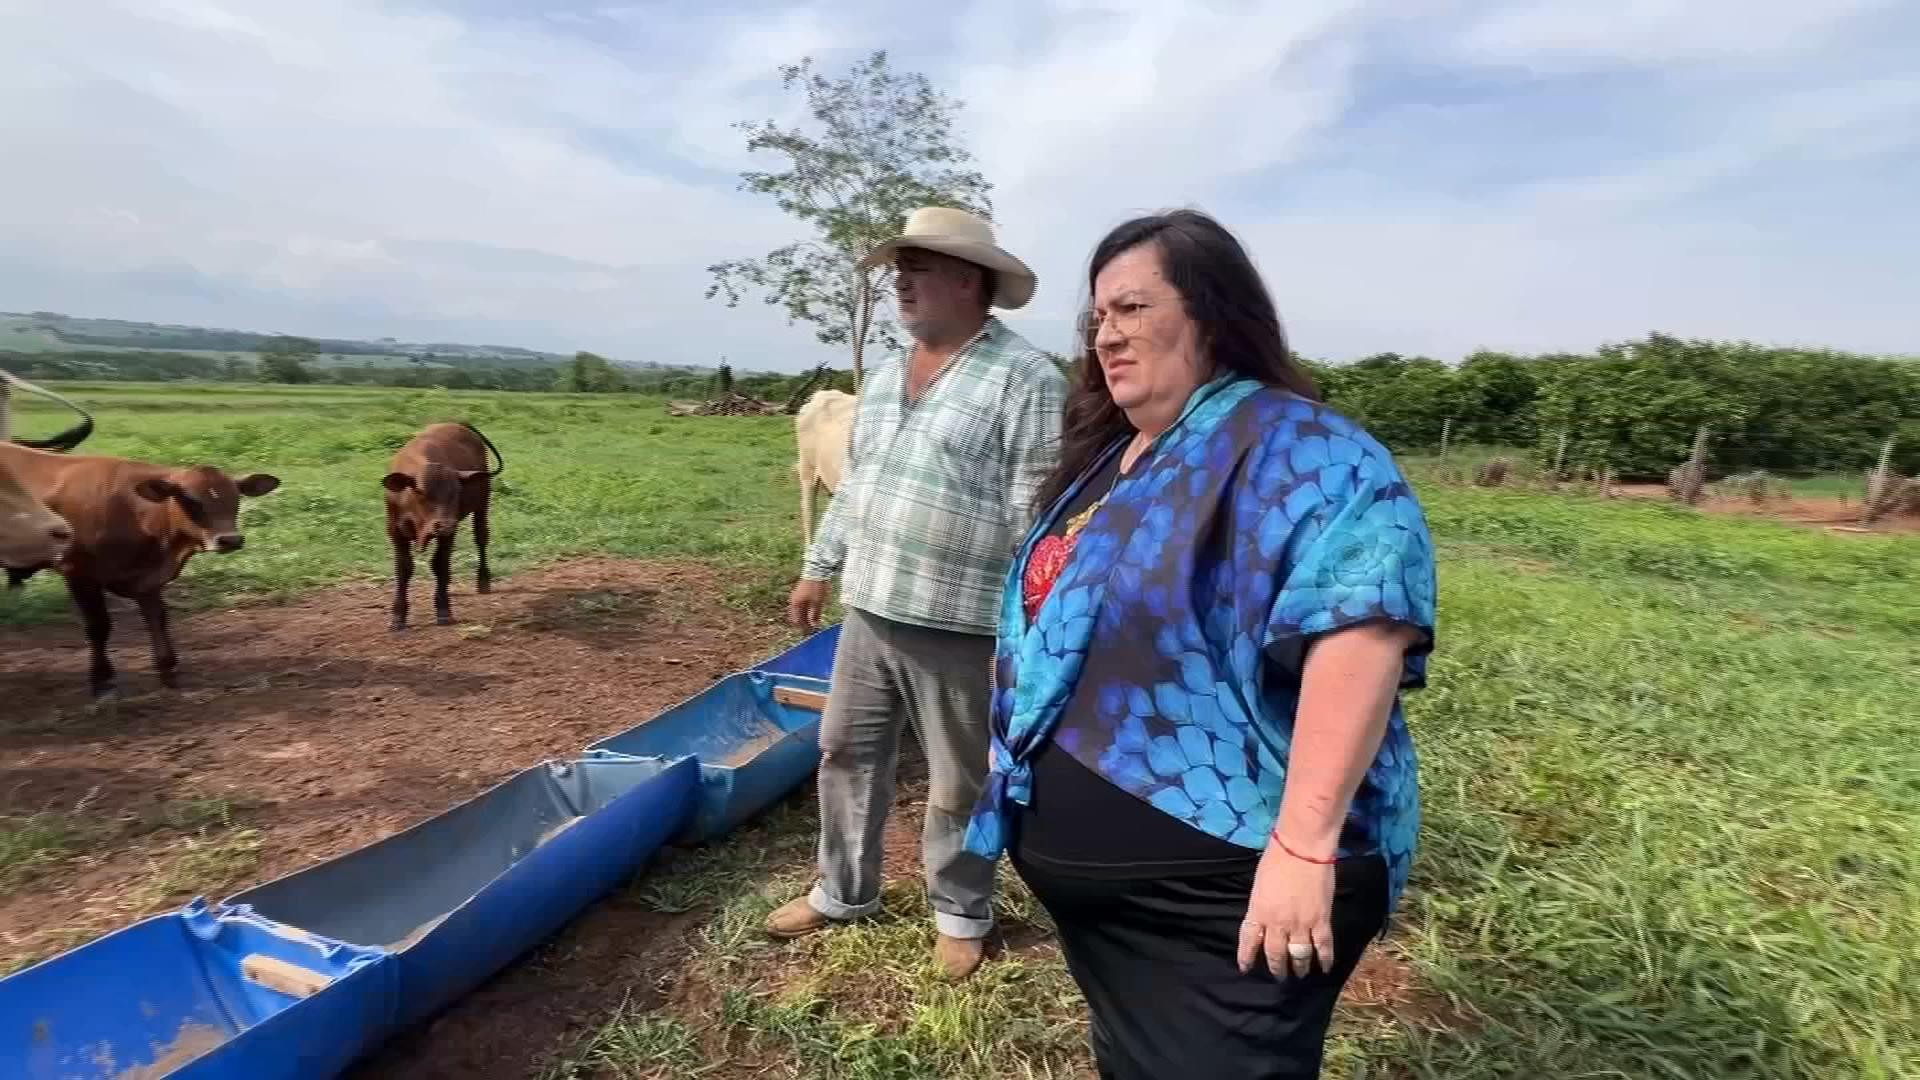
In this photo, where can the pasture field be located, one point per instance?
(1670, 762)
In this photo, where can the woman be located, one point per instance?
(1200, 766)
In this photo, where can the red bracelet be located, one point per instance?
(1329, 861)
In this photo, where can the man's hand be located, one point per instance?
(805, 605)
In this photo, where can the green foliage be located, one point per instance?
(589, 374)
(1635, 407)
(884, 145)
(1403, 401)
(285, 360)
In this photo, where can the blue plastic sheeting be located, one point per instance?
(167, 996)
(752, 748)
(460, 895)
(812, 657)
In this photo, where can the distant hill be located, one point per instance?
(52, 332)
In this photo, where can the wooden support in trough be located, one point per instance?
(800, 699)
(287, 978)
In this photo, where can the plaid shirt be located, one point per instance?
(937, 496)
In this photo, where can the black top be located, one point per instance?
(1079, 821)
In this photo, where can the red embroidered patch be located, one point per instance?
(1049, 557)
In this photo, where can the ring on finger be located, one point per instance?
(1299, 950)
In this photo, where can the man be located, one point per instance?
(950, 442)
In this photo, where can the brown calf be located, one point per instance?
(435, 481)
(135, 525)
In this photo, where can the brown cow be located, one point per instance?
(135, 525)
(435, 481)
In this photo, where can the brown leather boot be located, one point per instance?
(960, 957)
(796, 918)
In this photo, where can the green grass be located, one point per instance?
(583, 475)
(29, 842)
(1670, 762)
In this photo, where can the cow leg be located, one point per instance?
(91, 599)
(483, 581)
(402, 577)
(153, 607)
(805, 476)
(442, 573)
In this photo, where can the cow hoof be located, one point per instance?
(485, 587)
(170, 681)
(397, 626)
(443, 620)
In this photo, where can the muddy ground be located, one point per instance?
(306, 730)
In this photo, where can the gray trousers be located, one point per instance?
(885, 672)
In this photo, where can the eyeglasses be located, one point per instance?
(1126, 318)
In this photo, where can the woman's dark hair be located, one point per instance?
(1224, 296)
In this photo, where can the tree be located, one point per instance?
(285, 360)
(589, 373)
(884, 146)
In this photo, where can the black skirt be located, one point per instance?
(1156, 960)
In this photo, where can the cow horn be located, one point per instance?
(66, 440)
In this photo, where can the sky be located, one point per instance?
(1418, 176)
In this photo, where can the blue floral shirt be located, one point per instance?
(1259, 521)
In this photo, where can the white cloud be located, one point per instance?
(1546, 33)
(561, 178)
(309, 148)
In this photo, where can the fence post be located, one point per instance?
(6, 411)
(1446, 436)
(1559, 458)
(1876, 485)
(1693, 474)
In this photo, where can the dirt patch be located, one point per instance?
(191, 1041)
(1385, 981)
(324, 731)
(1842, 515)
(752, 748)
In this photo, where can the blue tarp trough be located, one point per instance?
(199, 993)
(299, 977)
(756, 735)
(461, 894)
(812, 657)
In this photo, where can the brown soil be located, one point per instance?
(1840, 515)
(325, 731)
(752, 748)
(192, 1041)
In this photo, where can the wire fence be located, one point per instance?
(1760, 470)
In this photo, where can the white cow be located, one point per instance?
(30, 534)
(821, 427)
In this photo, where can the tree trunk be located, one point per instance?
(862, 318)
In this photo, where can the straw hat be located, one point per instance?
(964, 236)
